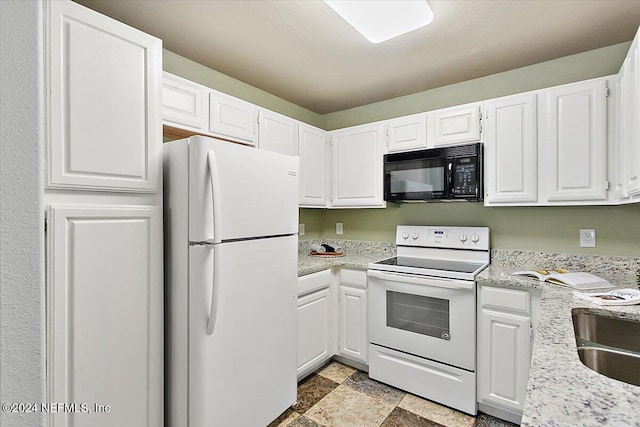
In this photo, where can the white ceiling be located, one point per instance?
(302, 51)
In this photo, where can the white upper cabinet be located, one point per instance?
(104, 99)
(232, 118)
(455, 125)
(407, 133)
(184, 103)
(313, 149)
(357, 166)
(629, 123)
(277, 133)
(510, 150)
(573, 143)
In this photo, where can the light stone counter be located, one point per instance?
(358, 255)
(562, 391)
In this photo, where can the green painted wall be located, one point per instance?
(595, 63)
(190, 70)
(550, 229)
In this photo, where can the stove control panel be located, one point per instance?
(443, 237)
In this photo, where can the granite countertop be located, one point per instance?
(562, 391)
(358, 255)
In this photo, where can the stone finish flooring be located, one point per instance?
(341, 396)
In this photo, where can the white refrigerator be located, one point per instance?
(231, 218)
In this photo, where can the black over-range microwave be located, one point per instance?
(435, 174)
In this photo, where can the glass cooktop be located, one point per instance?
(433, 264)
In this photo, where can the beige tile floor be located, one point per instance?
(340, 396)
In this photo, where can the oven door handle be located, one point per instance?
(426, 281)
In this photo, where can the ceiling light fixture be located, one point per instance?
(381, 20)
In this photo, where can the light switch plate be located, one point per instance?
(301, 229)
(587, 238)
(339, 228)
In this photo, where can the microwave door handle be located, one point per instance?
(415, 280)
(212, 164)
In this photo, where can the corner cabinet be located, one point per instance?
(314, 153)
(506, 320)
(277, 133)
(315, 321)
(510, 150)
(357, 166)
(628, 161)
(104, 110)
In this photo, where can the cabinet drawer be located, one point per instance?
(313, 282)
(512, 299)
(354, 278)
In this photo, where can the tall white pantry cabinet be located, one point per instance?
(103, 193)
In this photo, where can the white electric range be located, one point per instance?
(422, 313)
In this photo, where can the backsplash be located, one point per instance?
(350, 246)
(595, 264)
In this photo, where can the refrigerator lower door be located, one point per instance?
(244, 372)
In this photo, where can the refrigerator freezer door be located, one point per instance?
(251, 354)
(257, 191)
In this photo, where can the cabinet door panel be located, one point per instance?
(357, 166)
(314, 329)
(353, 323)
(407, 133)
(232, 118)
(511, 149)
(632, 120)
(573, 152)
(314, 166)
(503, 358)
(105, 314)
(455, 125)
(104, 109)
(277, 133)
(183, 102)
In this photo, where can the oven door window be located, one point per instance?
(415, 179)
(419, 314)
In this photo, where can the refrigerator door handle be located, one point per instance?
(213, 311)
(212, 163)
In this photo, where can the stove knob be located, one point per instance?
(405, 235)
(475, 238)
(414, 236)
(463, 237)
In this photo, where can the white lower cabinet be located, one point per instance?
(352, 315)
(332, 319)
(105, 315)
(506, 320)
(315, 321)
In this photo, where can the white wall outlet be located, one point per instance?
(587, 238)
(339, 228)
(300, 229)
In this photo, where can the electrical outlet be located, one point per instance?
(587, 238)
(300, 229)
(339, 228)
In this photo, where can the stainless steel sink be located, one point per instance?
(609, 345)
